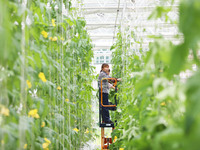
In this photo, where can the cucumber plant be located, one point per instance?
(158, 110)
(46, 76)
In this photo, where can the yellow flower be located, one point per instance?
(47, 140)
(43, 124)
(44, 33)
(25, 146)
(58, 88)
(163, 104)
(5, 111)
(54, 38)
(74, 102)
(121, 149)
(87, 131)
(115, 139)
(50, 38)
(62, 38)
(42, 77)
(2, 142)
(45, 145)
(33, 113)
(66, 100)
(75, 129)
(36, 116)
(29, 84)
(53, 22)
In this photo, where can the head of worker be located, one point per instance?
(105, 67)
(107, 71)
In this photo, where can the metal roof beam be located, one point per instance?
(101, 24)
(95, 10)
(99, 36)
(97, 26)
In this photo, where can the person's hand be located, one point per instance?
(119, 79)
(114, 88)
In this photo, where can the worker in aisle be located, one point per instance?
(104, 73)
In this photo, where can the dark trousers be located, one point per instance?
(105, 110)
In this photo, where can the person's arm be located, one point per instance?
(119, 79)
(111, 86)
(111, 80)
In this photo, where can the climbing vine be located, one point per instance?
(158, 110)
(45, 77)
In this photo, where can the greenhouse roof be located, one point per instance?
(104, 17)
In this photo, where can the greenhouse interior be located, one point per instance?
(99, 74)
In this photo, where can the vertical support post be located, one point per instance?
(102, 138)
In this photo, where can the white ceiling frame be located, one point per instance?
(100, 16)
(98, 27)
(104, 10)
(101, 36)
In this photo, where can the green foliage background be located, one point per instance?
(158, 111)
